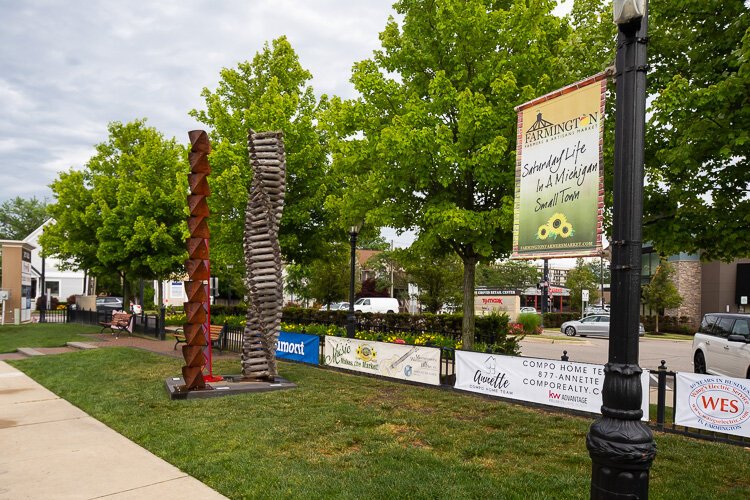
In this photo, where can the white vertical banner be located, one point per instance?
(713, 403)
(575, 386)
(406, 362)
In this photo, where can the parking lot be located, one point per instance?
(676, 353)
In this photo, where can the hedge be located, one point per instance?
(555, 320)
(669, 324)
(487, 328)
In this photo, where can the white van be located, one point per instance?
(376, 305)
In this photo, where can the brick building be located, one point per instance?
(704, 286)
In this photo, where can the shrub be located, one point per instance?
(41, 302)
(443, 330)
(531, 323)
(555, 320)
(669, 324)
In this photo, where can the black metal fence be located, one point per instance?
(233, 339)
(146, 324)
(53, 316)
(663, 380)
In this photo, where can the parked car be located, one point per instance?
(722, 345)
(528, 310)
(596, 310)
(595, 325)
(112, 303)
(376, 305)
(335, 306)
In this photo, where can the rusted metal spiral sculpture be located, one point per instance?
(197, 265)
(263, 255)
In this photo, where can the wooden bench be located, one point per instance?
(217, 332)
(120, 322)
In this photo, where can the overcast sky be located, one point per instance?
(70, 68)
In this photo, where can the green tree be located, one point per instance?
(508, 274)
(600, 270)
(72, 237)
(438, 277)
(269, 93)
(661, 292)
(372, 242)
(297, 282)
(381, 264)
(581, 278)
(328, 279)
(126, 210)
(698, 136)
(19, 217)
(430, 144)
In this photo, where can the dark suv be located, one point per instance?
(722, 345)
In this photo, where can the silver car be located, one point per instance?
(112, 303)
(594, 325)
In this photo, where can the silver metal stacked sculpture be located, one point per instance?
(263, 255)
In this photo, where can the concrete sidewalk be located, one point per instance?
(51, 449)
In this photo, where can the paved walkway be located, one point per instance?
(51, 449)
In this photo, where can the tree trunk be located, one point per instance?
(125, 294)
(159, 295)
(657, 322)
(467, 328)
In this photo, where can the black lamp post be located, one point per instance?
(601, 278)
(621, 446)
(351, 321)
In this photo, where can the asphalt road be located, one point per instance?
(676, 353)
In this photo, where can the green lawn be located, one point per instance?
(42, 335)
(669, 336)
(346, 436)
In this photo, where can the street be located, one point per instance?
(676, 353)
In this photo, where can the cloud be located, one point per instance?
(70, 68)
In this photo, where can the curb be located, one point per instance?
(28, 351)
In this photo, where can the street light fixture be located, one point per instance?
(625, 11)
(350, 318)
(620, 444)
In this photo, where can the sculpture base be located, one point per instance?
(230, 386)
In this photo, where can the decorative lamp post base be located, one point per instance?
(620, 444)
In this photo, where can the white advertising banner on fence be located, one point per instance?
(576, 386)
(713, 403)
(406, 362)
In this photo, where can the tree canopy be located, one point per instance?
(430, 143)
(508, 274)
(698, 141)
(19, 217)
(661, 293)
(328, 278)
(438, 277)
(581, 278)
(126, 210)
(269, 93)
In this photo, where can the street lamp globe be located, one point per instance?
(626, 11)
